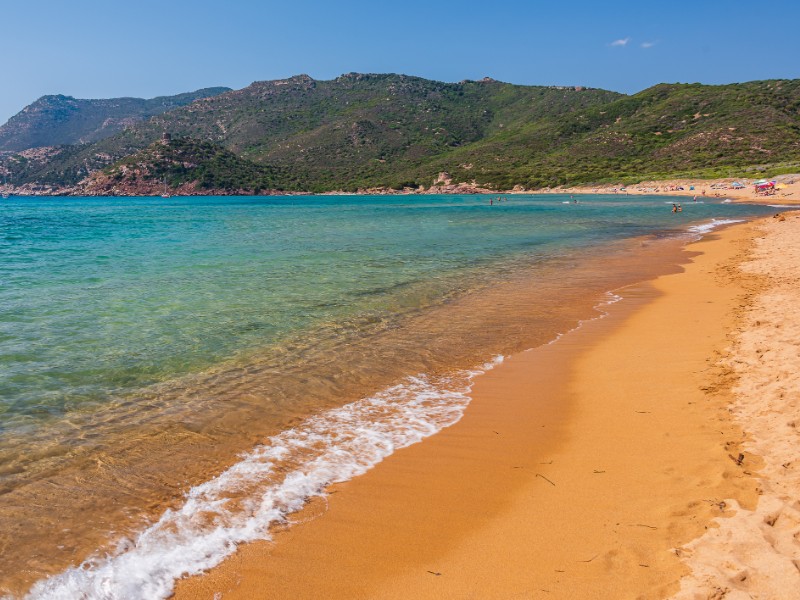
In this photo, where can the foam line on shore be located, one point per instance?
(277, 479)
(270, 483)
(611, 298)
(696, 231)
(709, 226)
(547, 482)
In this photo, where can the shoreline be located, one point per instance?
(442, 518)
(719, 188)
(525, 308)
(788, 191)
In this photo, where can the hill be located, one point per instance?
(186, 166)
(354, 131)
(60, 120)
(669, 130)
(393, 131)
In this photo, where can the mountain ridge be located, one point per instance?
(58, 119)
(394, 131)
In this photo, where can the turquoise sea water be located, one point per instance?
(101, 296)
(173, 305)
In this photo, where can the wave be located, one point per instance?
(265, 487)
(708, 226)
(610, 298)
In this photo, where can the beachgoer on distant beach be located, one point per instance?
(674, 207)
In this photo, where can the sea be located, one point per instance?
(180, 376)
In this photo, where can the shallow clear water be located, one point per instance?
(100, 297)
(143, 342)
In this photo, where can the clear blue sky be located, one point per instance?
(146, 48)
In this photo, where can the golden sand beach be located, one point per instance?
(787, 190)
(650, 453)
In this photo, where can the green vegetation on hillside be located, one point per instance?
(392, 131)
(189, 161)
(62, 120)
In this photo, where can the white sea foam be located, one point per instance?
(611, 298)
(270, 483)
(704, 228)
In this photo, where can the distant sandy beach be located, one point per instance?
(787, 189)
(648, 454)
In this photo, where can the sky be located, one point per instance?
(147, 48)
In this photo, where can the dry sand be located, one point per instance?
(585, 468)
(756, 553)
(788, 191)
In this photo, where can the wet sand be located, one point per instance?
(580, 469)
(148, 459)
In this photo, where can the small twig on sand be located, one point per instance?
(739, 460)
(590, 560)
(643, 412)
(648, 526)
(546, 479)
(435, 573)
(643, 565)
(598, 472)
